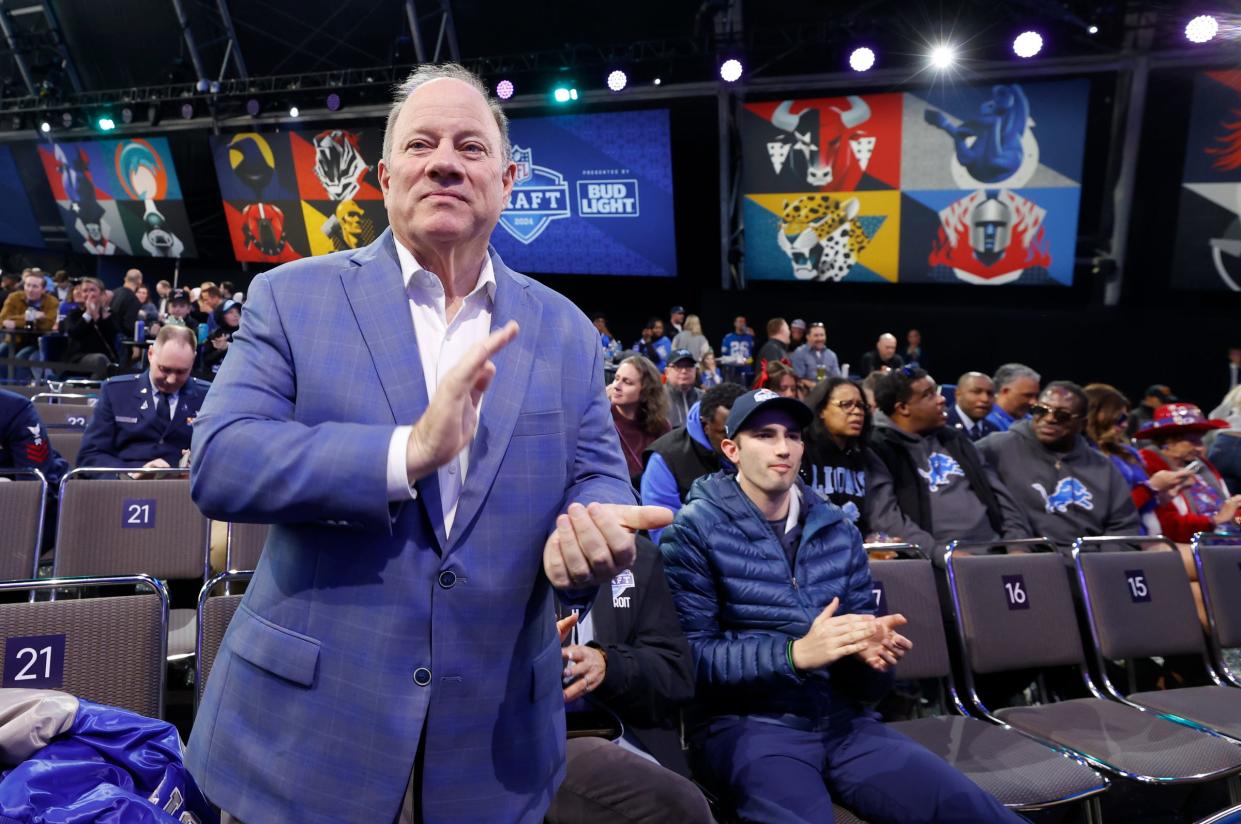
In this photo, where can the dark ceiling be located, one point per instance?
(122, 44)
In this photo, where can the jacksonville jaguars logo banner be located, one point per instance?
(966, 185)
(592, 195)
(119, 197)
(1208, 242)
(290, 195)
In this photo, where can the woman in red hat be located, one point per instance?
(1205, 505)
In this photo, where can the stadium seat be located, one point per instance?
(62, 415)
(24, 389)
(245, 545)
(109, 650)
(66, 441)
(1142, 608)
(1021, 773)
(117, 527)
(1015, 612)
(1219, 575)
(71, 395)
(22, 506)
(214, 614)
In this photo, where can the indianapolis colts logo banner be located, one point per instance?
(118, 197)
(592, 195)
(290, 195)
(1207, 254)
(976, 185)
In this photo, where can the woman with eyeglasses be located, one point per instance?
(834, 461)
(1107, 419)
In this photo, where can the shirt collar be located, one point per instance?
(431, 287)
(155, 389)
(969, 422)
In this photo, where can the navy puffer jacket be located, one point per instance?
(740, 604)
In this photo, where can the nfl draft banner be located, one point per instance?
(290, 195)
(1208, 242)
(965, 185)
(119, 197)
(592, 196)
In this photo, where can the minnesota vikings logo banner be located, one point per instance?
(1207, 254)
(119, 197)
(592, 195)
(976, 185)
(18, 225)
(290, 195)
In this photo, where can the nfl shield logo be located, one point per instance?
(523, 159)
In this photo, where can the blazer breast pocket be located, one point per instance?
(550, 422)
(270, 647)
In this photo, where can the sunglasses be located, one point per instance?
(1038, 410)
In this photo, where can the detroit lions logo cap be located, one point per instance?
(751, 402)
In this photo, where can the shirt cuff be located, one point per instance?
(399, 487)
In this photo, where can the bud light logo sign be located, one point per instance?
(540, 195)
(607, 198)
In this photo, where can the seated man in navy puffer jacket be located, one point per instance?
(772, 588)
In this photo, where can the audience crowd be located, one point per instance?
(783, 441)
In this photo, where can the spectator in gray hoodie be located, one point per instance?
(1066, 489)
(926, 482)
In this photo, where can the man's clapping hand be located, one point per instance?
(593, 543)
(886, 646)
(832, 637)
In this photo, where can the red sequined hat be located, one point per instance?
(1180, 417)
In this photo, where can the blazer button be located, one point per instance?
(422, 676)
(448, 578)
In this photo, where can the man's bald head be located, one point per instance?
(133, 277)
(886, 345)
(428, 73)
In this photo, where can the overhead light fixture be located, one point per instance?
(563, 94)
(943, 57)
(253, 107)
(505, 89)
(617, 80)
(66, 119)
(862, 59)
(1027, 44)
(45, 127)
(333, 102)
(294, 111)
(1202, 29)
(657, 81)
(1092, 30)
(730, 70)
(187, 110)
(127, 115)
(105, 123)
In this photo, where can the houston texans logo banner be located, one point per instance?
(119, 197)
(290, 195)
(963, 185)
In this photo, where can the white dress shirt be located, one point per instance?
(172, 398)
(970, 423)
(440, 346)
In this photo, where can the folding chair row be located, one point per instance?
(110, 650)
(214, 614)
(1016, 612)
(23, 504)
(1219, 578)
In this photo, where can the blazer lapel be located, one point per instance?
(375, 290)
(503, 400)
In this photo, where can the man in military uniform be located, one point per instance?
(144, 421)
(23, 439)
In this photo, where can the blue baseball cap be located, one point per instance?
(751, 402)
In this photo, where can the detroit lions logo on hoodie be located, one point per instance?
(942, 468)
(1068, 491)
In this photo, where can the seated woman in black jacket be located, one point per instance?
(834, 463)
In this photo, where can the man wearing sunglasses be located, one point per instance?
(926, 482)
(1065, 488)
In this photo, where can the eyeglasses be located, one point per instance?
(850, 406)
(1038, 410)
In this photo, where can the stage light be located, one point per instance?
(505, 89)
(153, 114)
(66, 119)
(45, 127)
(294, 111)
(563, 94)
(657, 81)
(1202, 29)
(730, 70)
(202, 85)
(1028, 44)
(187, 110)
(862, 59)
(333, 102)
(942, 57)
(214, 87)
(1092, 30)
(617, 80)
(127, 115)
(253, 107)
(105, 123)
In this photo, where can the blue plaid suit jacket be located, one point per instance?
(312, 711)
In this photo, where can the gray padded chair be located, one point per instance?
(1021, 773)
(113, 649)
(214, 614)
(64, 415)
(72, 395)
(23, 503)
(1219, 576)
(1014, 612)
(68, 442)
(101, 532)
(1142, 607)
(245, 544)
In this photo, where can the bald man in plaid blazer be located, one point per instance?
(396, 656)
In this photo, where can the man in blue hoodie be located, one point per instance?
(773, 590)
